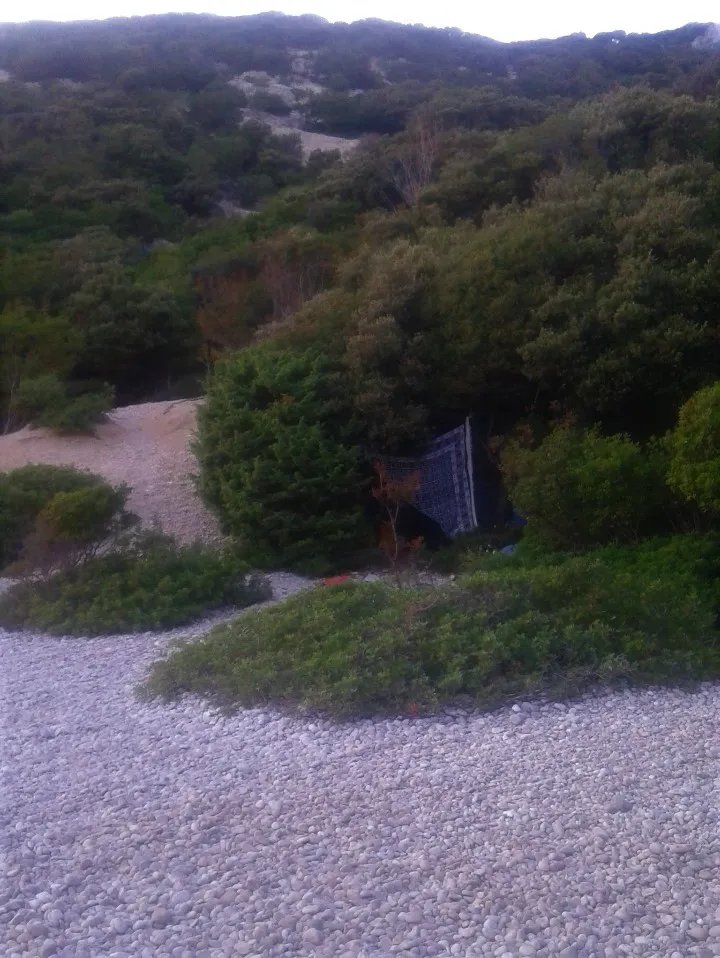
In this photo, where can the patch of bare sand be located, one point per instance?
(145, 446)
(308, 141)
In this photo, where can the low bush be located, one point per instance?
(513, 630)
(151, 585)
(684, 553)
(75, 526)
(579, 489)
(24, 493)
(80, 414)
(470, 547)
(47, 401)
(34, 396)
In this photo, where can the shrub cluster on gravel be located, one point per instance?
(74, 527)
(513, 629)
(24, 493)
(48, 401)
(151, 585)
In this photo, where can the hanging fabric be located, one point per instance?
(446, 491)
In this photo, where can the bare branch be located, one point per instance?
(414, 165)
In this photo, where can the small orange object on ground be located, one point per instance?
(336, 579)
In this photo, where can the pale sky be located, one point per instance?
(523, 20)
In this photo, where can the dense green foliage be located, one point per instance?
(528, 233)
(25, 492)
(73, 527)
(183, 53)
(277, 464)
(84, 515)
(695, 465)
(517, 629)
(151, 585)
(521, 224)
(579, 489)
(588, 301)
(47, 401)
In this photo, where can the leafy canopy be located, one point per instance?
(277, 460)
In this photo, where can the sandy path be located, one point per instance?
(146, 446)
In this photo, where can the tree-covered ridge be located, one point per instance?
(185, 52)
(524, 231)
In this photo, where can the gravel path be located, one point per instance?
(143, 830)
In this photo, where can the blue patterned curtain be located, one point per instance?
(446, 491)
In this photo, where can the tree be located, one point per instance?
(415, 160)
(278, 465)
(269, 102)
(295, 266)
(217, 107)
(139, 151)
(392, 344)
(131, 337)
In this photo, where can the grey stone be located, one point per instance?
(160, 917)
(198, 835)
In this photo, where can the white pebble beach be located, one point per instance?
(132, 829)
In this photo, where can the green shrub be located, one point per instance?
(24, 493)
(580, 489)
(153, 585)
(695, 464)
(47, 401)
(80, 414)
(277, 463)
(74, 526)
(361, 649)
(85, 515)
(34, 396)
(470, 548)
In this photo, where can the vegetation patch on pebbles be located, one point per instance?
(511, 628)
(150, 831)
(154, 585)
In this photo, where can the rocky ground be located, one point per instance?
(131, 829)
